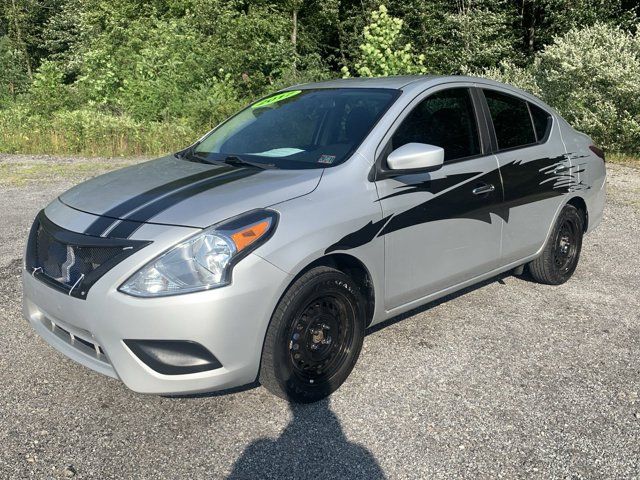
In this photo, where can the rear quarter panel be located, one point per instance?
(591, 173)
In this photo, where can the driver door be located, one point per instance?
(440, 227)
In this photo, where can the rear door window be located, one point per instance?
(511, 120)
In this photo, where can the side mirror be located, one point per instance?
(415, 157)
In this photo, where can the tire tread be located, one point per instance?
(267, 376)
(542, 268)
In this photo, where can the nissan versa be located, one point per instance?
(264, 250)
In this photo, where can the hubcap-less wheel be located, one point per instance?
(315, 336)
(560, 255)
(320, 338)
(566, 246)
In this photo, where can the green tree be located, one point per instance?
(591, 76)
(382, 52)
(478, 35)
(13, 72)
(538, 22)
(136, 64)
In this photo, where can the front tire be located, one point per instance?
(560, 255)
(315, 336)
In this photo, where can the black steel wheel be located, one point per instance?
(315, 336)
(560, 256)
(566, 246)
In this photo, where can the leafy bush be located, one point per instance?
(169, 62)
(211, 103)
(592, 77)
(48, 93)
(507, 72)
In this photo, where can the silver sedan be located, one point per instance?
(264, 250)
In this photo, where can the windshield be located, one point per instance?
(298, 128)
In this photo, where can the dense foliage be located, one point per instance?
(146, 76)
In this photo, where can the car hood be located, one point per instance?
(179, 192)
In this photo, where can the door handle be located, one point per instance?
(482, 189)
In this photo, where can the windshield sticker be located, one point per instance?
(276, 98)
(327, 159)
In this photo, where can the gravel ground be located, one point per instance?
(508, 379)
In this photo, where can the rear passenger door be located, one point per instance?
(533, 166)
(438, 226)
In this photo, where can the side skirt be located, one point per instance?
(449, 290)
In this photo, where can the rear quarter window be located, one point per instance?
(541, 122)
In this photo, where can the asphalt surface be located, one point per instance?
(510, 379)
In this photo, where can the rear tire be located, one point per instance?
(560, 255)
(315, 336)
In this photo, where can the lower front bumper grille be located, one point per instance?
(80, 340)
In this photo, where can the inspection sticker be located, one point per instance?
(328, 159)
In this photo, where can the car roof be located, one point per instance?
(416, 82)
(397, 82)
(369, 82)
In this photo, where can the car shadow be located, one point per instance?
(312, 445)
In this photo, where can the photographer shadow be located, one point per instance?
(313, 445)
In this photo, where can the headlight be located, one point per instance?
(205, 260)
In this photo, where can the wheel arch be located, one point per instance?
(575, 201)
(581, 205)
(354, 268)
(348, 264)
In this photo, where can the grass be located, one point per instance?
(90, 134)
(624, 159)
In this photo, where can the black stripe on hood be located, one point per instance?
(127, 226)
(108, 218)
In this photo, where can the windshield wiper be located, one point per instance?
(191, 155)
(240, 162)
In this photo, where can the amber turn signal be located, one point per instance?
(245, 237)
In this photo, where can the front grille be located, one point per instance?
(67, 264)
(72, 262)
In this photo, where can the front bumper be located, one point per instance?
(230, 322)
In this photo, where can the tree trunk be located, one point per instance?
(19, 40)
(294, 32)
(528, 24)
(294, 36)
